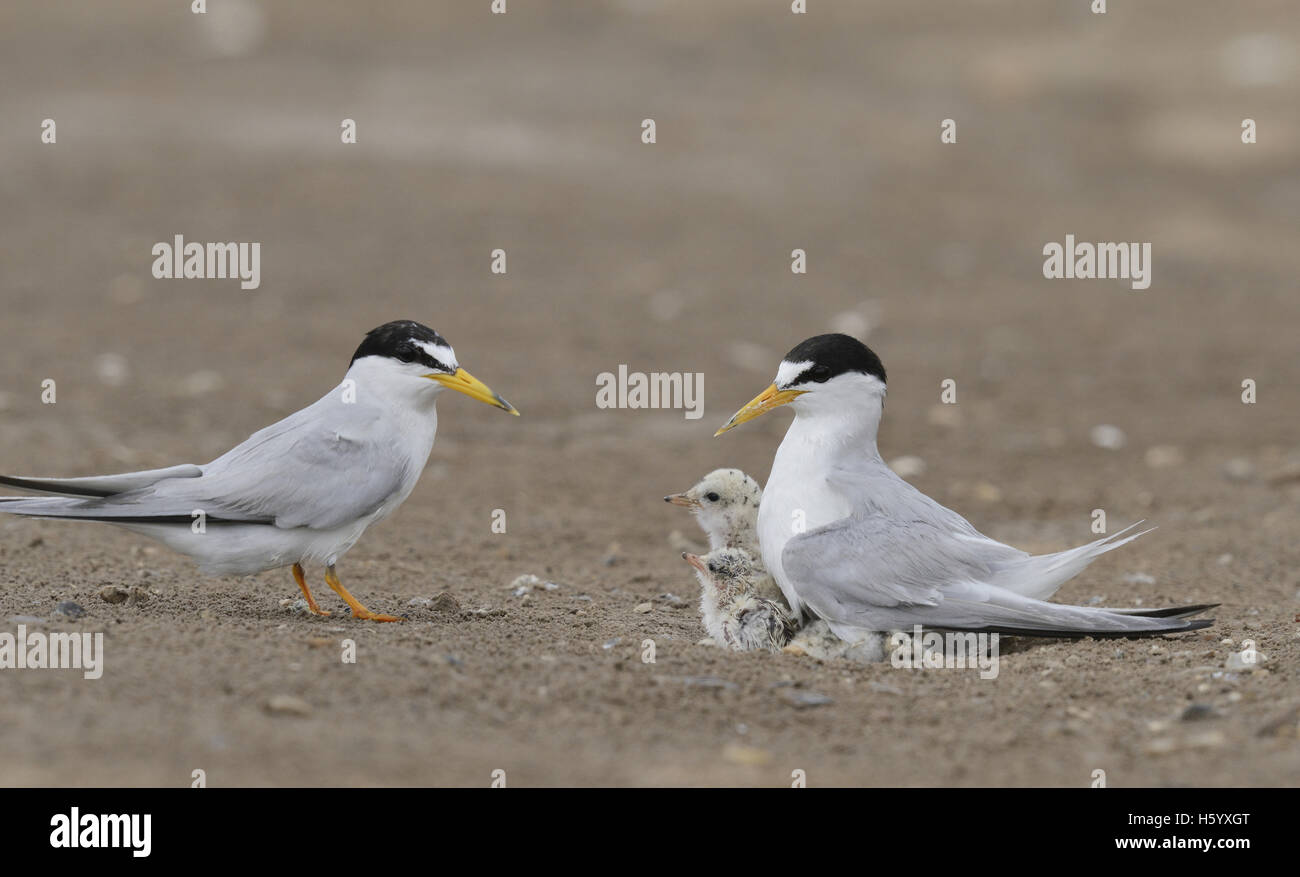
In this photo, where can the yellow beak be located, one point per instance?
(464, 382)
(761, 404)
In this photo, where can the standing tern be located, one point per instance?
(853, 543)
(301, 490)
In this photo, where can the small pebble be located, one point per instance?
(706, 682)
(800, 699)
(287, 705)
(113, 594)
(111, 369)
(69, 609)
(1198, 711)
(523, 584)
(1106, 436)
(643, 608)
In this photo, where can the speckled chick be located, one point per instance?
(734, 613)
(725, 505)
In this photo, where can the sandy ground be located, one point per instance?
(774, 132)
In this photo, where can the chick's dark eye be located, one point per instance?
(711, 497)
(713, 567)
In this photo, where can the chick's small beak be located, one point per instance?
(761, 404)
(694, 560)
(464, 382)
(682, 500)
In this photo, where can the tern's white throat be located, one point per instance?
(400, 385)
(842, 414)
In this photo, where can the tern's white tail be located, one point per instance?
(1041, 576)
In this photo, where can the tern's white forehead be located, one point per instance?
(786, 374)
(441, 352)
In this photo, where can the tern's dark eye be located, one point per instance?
(711, 496)
(406, 354)
(819, 373)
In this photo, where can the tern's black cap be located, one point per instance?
(833, 355)
(397, 340)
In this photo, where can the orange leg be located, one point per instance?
(358, 611)
(302, 583)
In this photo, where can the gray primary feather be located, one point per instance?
(871, 571)
(102, 485)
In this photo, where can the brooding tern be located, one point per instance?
(853, 543)
(301, 490)
(726, 503)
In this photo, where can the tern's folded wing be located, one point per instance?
(322, 473)
(874, 560)
(869, 572)
(316, 468)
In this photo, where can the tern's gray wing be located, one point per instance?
(875, 560)
(322, 467)
(872, 572)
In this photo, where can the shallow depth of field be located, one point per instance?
(774, 132)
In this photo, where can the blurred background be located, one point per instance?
(774, 132)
